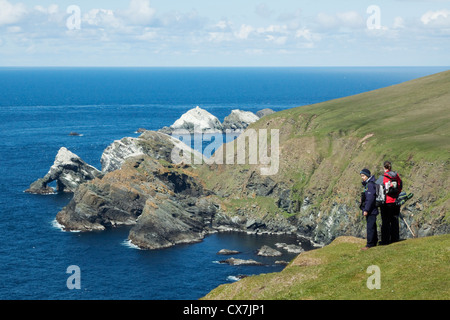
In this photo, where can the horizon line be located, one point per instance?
(237, 66)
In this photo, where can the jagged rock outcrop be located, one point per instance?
(141, 186)
(166, 203)
(239, 120)
(137, 172)
(157, 145)
(170, 221)
(69, 171)
(116, 153)
(200, 120)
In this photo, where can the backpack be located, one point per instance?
(380, 198)
(394, 186)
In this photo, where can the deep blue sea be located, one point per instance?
(39, 107)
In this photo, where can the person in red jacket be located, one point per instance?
(390, 211)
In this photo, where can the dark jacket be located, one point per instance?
(369, 196)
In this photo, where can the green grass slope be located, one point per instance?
(408, 270)
(411, 118)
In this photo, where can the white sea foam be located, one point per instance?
(129, 244)
(47, 194)
(57, 225)
(233, 278)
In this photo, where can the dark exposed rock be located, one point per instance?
(166, 224)
(165, 204)
(261, 186)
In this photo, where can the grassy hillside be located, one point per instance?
(324, 146)
(410, 119)
(411, 269)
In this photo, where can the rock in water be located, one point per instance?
(238, 120)
(292, 248)
(241, 262)
(198, 120)
(267, 251)
(69, 171)
(228, 252)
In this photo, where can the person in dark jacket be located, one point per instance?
(370, 211)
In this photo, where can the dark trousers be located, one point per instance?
(372, 234)
(389, 223)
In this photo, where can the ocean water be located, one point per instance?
(39, 107)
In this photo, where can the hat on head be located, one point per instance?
(365, 172)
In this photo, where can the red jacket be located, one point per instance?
(387, 180)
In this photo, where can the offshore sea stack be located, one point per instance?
(195, 120)
(239, 120)
(198, 120)
(69, 171)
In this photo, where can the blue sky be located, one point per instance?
(225, 33)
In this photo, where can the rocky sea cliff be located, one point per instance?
(139, 185)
